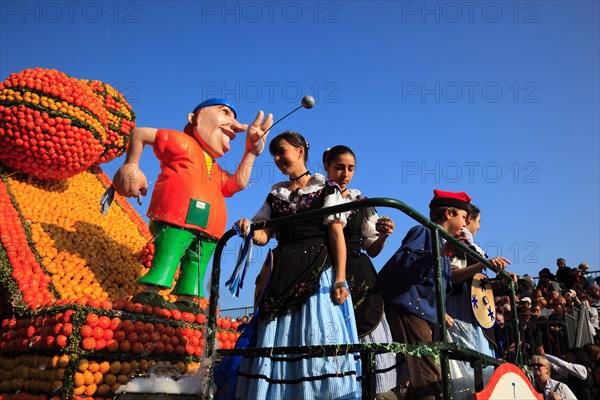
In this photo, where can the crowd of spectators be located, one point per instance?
(541, 309)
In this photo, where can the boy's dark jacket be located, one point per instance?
(408, 278)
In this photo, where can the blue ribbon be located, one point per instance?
(236, 281)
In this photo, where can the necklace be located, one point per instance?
(299, 176)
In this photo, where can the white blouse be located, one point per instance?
(315, 183)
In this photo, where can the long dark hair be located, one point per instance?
(331, 154)
(473, 211)
(293, 138)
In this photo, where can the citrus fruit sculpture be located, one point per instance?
(67, 327)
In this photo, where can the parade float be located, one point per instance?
(68, 329)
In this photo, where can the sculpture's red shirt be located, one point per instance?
(183, 177)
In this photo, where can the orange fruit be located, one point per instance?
(115, 367)
(79, 390)
(104, 367)
(93, 366)
(78, 379)
(88, 378)
(110, 379)
(103, 389)
(90, 390)
(83, 365)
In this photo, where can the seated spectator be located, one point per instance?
(542, 327)
(498, 301)
(594, 293)
(530, 334)
(585, 273)
(563, 301)
(553, 295)
(569, 297)
(575, 370)
(504, 309)
(546, 274)
(576, 279)
(543, 384)
(525, 302)
(543, 285)
(506, 346)
(554, 286)
(545, 311)
(557, 334)
(526, 285)
(563, 272)
(536, 310)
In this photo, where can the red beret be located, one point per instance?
(450, 199)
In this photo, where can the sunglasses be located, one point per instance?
(536, 365)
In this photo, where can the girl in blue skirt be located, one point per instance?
(306, 302)
(365, 230)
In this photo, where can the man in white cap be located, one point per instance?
(526, 301)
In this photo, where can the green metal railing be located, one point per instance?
(442, 350)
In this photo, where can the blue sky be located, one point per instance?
(496, 98)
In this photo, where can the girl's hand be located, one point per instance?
(499, 262)
(384, 226)
(339, 293)
(449, 321)
(242, 227)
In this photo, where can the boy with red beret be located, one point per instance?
(408, 288)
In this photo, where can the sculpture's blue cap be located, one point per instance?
(215, 101)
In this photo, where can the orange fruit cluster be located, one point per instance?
(32, 373)
(91, 377)
(102, 378)
(121, 119)
(83, 253)
(81, 350)
(53, 126)
(31, 280)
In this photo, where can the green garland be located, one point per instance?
(11, 286)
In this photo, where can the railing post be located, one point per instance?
(440, 297)
(368, 374)
(211, 324)
(515, 323)
(477, 366)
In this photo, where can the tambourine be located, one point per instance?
(482, 301)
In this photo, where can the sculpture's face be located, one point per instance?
(214, 127)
